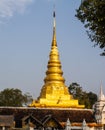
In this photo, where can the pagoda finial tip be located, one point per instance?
(54, 11)
(54, 14)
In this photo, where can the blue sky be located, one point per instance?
(25, 41)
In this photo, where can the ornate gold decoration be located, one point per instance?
(54, 92)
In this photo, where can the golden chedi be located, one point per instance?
(54, 92)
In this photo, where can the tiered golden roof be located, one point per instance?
(54, 92)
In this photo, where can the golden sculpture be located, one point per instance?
(54, 92)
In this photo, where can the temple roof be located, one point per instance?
(61, 115)
(49, 118)
(6, 120)
(32, 119)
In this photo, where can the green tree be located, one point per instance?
(75, 90)
(92, 98)
(88, 99)
(92, 14)
(14, 97)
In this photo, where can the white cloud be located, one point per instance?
(9, 7)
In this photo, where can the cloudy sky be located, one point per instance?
(25, 40)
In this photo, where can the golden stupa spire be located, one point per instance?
(54, 92)
(54, 72)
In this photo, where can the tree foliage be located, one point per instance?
(14, 97)
(84, 98)
(92, 14)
